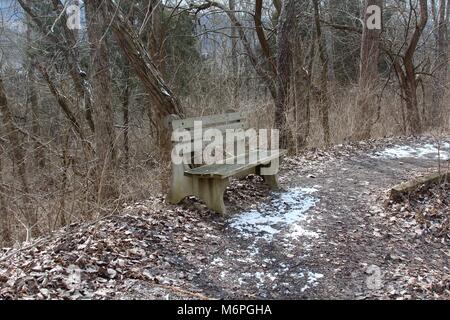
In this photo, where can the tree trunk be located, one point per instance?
(234, 42)
(262, 40)
(126, 115)
(5, 230)
(302, 89)
(156, 45)
(266, 72)
(65, 106)
(406, 71)
(103, 113)
(368, 77)
(410, 86)
(324, 101)
(18, 156)
(234, 54)
(333, 13)
(284, 71)
(82, 85)
(164, 101)
(32, 100)
(441, 65)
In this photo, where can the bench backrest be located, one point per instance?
(221, 122)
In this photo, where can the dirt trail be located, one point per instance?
(326, 235)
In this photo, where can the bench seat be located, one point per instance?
(223, 171)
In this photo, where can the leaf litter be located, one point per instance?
(314, 240)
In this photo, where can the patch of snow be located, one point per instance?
(298, 231)
(228, 252)
(314, 277)
(73, 280)
(253, 250)
(217, 262)
(246, 260)
(259, 276)
(265, 277)
(306, 287)
(283, 213)
(425, 151)
(312, 280)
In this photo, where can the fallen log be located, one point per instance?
(400, 191)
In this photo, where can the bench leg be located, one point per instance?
(176, 195)
(272, 182)
(211, 191)
(180, 185)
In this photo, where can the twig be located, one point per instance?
(179, 290)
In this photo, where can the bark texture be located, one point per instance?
(368, 76)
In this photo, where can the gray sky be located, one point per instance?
(10, 15)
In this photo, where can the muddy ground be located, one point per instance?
(330, 233)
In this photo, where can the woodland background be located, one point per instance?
(82, 111)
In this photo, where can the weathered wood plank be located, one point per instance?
(272, 182)
(224, 171)
(208, 120)
(198, 135)
(401, 190)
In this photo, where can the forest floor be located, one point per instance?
(330, 233)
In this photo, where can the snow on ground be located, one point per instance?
(429, 151)
(284, 219)
(312, 281)
(283, 214)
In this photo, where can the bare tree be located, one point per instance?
(103, 113)
(284, 69)
(65, 105)
(406, 70)
(234, 51)
(156, 34)
(261, 64)
(368, 75)
(324, 100)
(164, 101)
(441, 21)
(68, 44)
(82, 84)
(32, 98)
(18, 156)
(274, 68)
(5, 230)
(126, 93)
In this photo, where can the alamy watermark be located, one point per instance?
(73, 12)
(375, 279)
(373, 18)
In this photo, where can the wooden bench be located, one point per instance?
(209, 182)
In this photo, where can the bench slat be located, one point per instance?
(222, 128)
(224, 171)
(208, 120)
